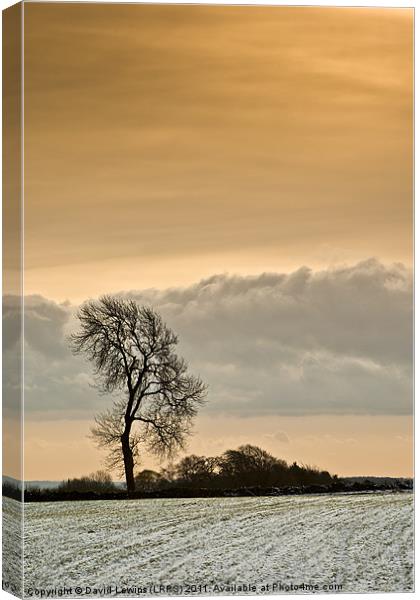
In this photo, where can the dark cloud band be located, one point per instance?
(327, 342)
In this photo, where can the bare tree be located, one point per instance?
(95, 482)
(148, 480)
(133, 352)
(197, 470)
(250, 465)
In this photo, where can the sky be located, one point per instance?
(248, 171)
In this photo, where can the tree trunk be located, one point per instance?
(128, 463)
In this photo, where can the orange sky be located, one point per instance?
(167, 143)
(164, 144)
(351, 445)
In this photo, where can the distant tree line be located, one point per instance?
(100, 482)
(248, 466)
(12, 489)
(247, 471)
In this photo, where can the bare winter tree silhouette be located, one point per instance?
(133, 352)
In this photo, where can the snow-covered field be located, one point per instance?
(362, 542)
(12, 538)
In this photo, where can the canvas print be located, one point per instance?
(207, 308)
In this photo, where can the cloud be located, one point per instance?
(336, 341)
(279, 436)
(56, 384)
(259, 131)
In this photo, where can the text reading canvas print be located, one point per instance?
(207, 300)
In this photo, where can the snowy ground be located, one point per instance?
(362, 542)
(12, 530)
